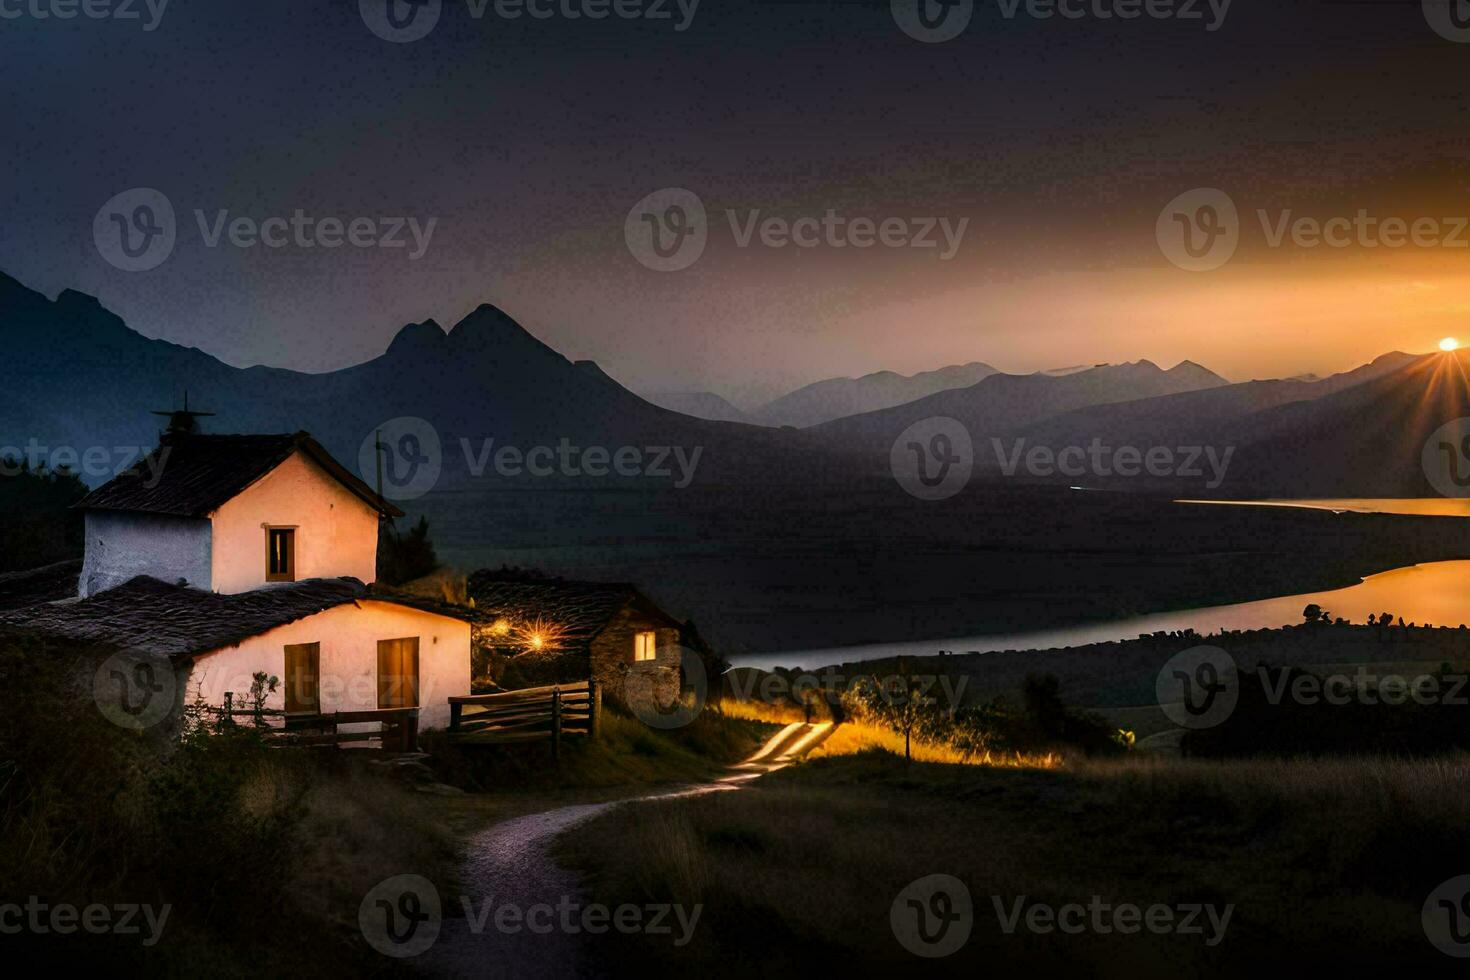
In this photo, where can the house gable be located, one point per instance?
(333, 530)
(200, 513)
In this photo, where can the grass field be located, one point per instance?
(1321, 861)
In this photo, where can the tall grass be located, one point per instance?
(1322, 862)
(854, 737)
(262, 853)
(861, 735)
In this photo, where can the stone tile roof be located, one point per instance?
(577, 610)
(37, 585)
(148, 616)
(202, 472)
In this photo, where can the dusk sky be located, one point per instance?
(1055, 142)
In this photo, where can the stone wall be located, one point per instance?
(612, 654)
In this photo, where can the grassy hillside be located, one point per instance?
(1322, 862)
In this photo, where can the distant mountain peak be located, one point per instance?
(71, 299)
(491, 328)
(427, 335)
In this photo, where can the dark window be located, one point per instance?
(280, 561)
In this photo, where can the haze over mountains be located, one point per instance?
(838, 398)
(80, 377)
(1002, 402)
(700, 404)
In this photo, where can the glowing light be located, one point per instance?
(1449, 343)
(539, 634)
(501, 627)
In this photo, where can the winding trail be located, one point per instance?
(511, 864)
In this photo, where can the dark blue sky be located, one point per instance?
(527, 142)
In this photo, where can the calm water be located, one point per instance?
(1437, 593)
(1427, 507)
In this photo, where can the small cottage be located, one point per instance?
(231, 555)
(533, 631)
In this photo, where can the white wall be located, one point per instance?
(349, 638)
(336, 530)
(122, 545)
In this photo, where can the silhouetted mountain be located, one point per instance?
(80, 377)
(1356, 434)
(837, 398)
(1192, 417)
(1002, 403)
(700, 404)
(1365, 440)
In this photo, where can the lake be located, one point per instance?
(1417, 507)
(791, 567)
(1436, 593)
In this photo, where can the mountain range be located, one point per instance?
(837, 398)
(80, 377)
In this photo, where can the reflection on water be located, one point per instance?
(1425, 507)
(1436, 593)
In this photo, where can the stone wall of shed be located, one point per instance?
(612, 655)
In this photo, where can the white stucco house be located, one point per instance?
(230, 555)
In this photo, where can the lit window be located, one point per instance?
(645, 646)
(280, 554)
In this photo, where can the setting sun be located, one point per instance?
(1449, 343)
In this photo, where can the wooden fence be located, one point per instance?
(398, 731)
(532, 714)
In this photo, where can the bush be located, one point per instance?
(1044, 723)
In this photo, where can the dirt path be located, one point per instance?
(510, 864)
